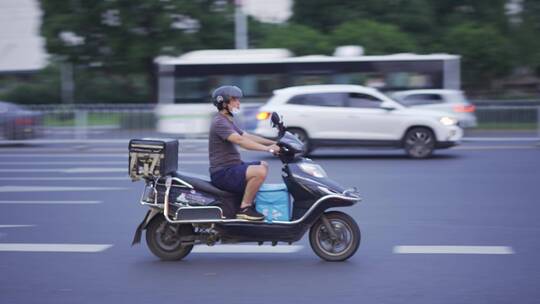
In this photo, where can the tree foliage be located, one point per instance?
(128, 34)
(486, 53)
(528, 53)
(479, 30)
(116, 37)
(300, 39)
(376, 38)
(412, 15)
(112, 43)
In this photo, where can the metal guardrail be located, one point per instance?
(111, 122)
(96, 121)
(524, 120)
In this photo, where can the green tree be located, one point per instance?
(486, 53)
(124, 36)
(485, 12)
(300, 39)
(526, 36)
(411, 15)
(375, 37)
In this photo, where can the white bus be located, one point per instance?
(186, 82)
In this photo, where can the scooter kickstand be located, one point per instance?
(328, 226)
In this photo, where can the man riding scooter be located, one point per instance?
(227, 170)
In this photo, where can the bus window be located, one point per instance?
(190, 88)
(255, 85)
(299, 80)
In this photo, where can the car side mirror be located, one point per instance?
(385, 105)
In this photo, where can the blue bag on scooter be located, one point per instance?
(272, 200)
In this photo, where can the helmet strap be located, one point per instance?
(228, 111)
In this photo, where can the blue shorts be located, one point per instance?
(233, 178)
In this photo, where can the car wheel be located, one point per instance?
(302, 135)
(419, 142)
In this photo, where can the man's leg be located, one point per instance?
(255, 176)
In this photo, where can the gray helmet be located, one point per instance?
(223, 94)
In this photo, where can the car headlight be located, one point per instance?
(313, 170)
(448, 121)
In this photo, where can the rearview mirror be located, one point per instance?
(276, 120)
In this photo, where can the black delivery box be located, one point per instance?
(152, 157)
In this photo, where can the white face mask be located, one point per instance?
(235, 111)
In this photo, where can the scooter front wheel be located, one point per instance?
(337, 246)
(163, 239)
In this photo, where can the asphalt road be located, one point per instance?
(61, 199)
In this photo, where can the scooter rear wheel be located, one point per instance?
(343, 246)
(163, 239)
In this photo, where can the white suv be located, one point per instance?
(351, 115)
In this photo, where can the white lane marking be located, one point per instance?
(65, 155)
(82, 169)
(496, 148)
(453, 250)
(31, 163)
(87, 150)
(470, 139)
(70, 170)
(247, 249)
(50, 202)
(92, 155)
(16, 226)
(92, 141)
(53, 189)
(91, 170)
(82, 248)
(74, 178)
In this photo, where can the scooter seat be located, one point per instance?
(203, 183)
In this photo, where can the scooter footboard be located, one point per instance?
(261, 232)
(191, 213)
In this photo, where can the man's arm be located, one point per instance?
(248, 144)
(259, 139)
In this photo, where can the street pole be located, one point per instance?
(67, 85)
(240, 26)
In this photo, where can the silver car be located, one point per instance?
(450, 101)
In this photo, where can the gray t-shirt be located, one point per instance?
(222, 153)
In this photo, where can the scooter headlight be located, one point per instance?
(313, 170)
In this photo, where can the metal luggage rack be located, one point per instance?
(183, 210)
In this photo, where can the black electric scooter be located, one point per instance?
(186, 210)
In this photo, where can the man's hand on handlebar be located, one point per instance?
(274, 149)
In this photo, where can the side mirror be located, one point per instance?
(385, 105)
(276, 120)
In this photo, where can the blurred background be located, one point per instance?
(81, 67)
(79, 78)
